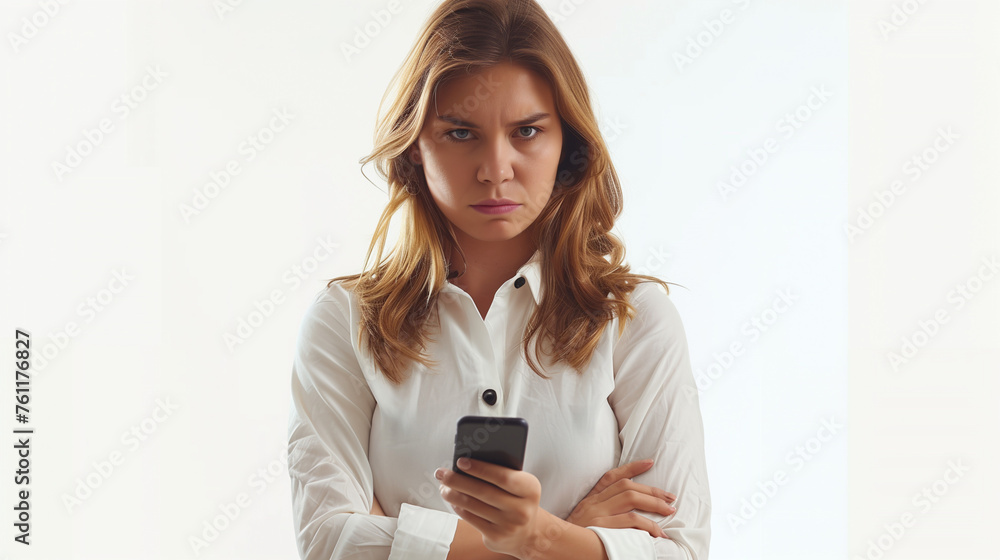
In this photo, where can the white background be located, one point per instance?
(676, 130)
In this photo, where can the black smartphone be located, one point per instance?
(493, 439)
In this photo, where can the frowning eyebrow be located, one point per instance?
(523, 122)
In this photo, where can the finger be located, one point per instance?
(479, 523)
(631, 521)
(471, 504)
(627, 470)
(474, 487)
(652, 490)
(502, 477)
(633, 499)
(629, 484)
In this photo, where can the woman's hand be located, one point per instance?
(376, 508)
(501, 503)
(611, 501)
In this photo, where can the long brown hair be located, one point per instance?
(582, 261)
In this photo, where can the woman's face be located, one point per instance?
(494, 135)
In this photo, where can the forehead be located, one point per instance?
(500, 92)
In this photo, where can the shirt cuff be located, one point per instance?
(625, 544)
(423, 534)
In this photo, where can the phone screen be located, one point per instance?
(493, 439)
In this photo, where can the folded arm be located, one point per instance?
(655, 401)
(331, 477)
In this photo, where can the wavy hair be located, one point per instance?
(585, 280)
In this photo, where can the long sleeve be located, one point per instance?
(655, 401)
(331, 478)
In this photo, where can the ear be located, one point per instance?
(414, 155)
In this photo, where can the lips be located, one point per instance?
(497, 202)
(495, 208)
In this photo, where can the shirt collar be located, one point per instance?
(531, 271)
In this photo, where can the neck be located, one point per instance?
(488, 264)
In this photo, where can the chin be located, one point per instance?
(487, 235)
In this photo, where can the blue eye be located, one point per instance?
(449, 134)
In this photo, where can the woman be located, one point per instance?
(505, 295)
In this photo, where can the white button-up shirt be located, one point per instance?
(352, 432)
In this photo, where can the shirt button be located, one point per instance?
(490, 396)
(519, 282)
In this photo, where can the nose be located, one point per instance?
(495, 163)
